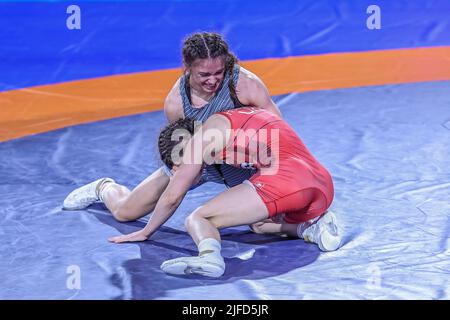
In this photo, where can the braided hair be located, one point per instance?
(210, 45)
(166, 143)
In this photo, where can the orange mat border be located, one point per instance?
(43, 108)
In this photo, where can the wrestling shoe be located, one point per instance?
(208, 265)
(322, 231)
(84, 196)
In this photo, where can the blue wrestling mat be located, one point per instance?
(386, 143)
(389, 158)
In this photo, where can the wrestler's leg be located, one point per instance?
(240, 205)
(126, 205)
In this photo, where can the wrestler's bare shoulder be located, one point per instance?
(249, 86)
(173, 106)
(247, 77)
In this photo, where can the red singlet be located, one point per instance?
(294, 183)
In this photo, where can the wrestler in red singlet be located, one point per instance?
(300, 187)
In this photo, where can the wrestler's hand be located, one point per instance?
(257, 227)
(132, 237)
(267, 226)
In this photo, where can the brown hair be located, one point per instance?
(166, 143)
(210, 45)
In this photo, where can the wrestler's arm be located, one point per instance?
(252, 91)
(172, 197)
(173, 108)
(268, 226)
(167, 204)
(183, 178)
(208, 137)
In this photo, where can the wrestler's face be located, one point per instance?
(208, 74)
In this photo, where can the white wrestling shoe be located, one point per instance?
(84, 196)
(322, 231)
(205, 265)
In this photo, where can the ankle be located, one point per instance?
(101, 188)
(210, 247)
(301, 227)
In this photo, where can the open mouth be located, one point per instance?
(210, 87)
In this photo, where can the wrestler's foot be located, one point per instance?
(84, 196)
(322, 231)
(208, 265)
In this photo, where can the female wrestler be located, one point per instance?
(290, 185)
(213, 82)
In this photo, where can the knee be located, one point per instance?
(123, 214)
(198, 214)
(190, 220)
